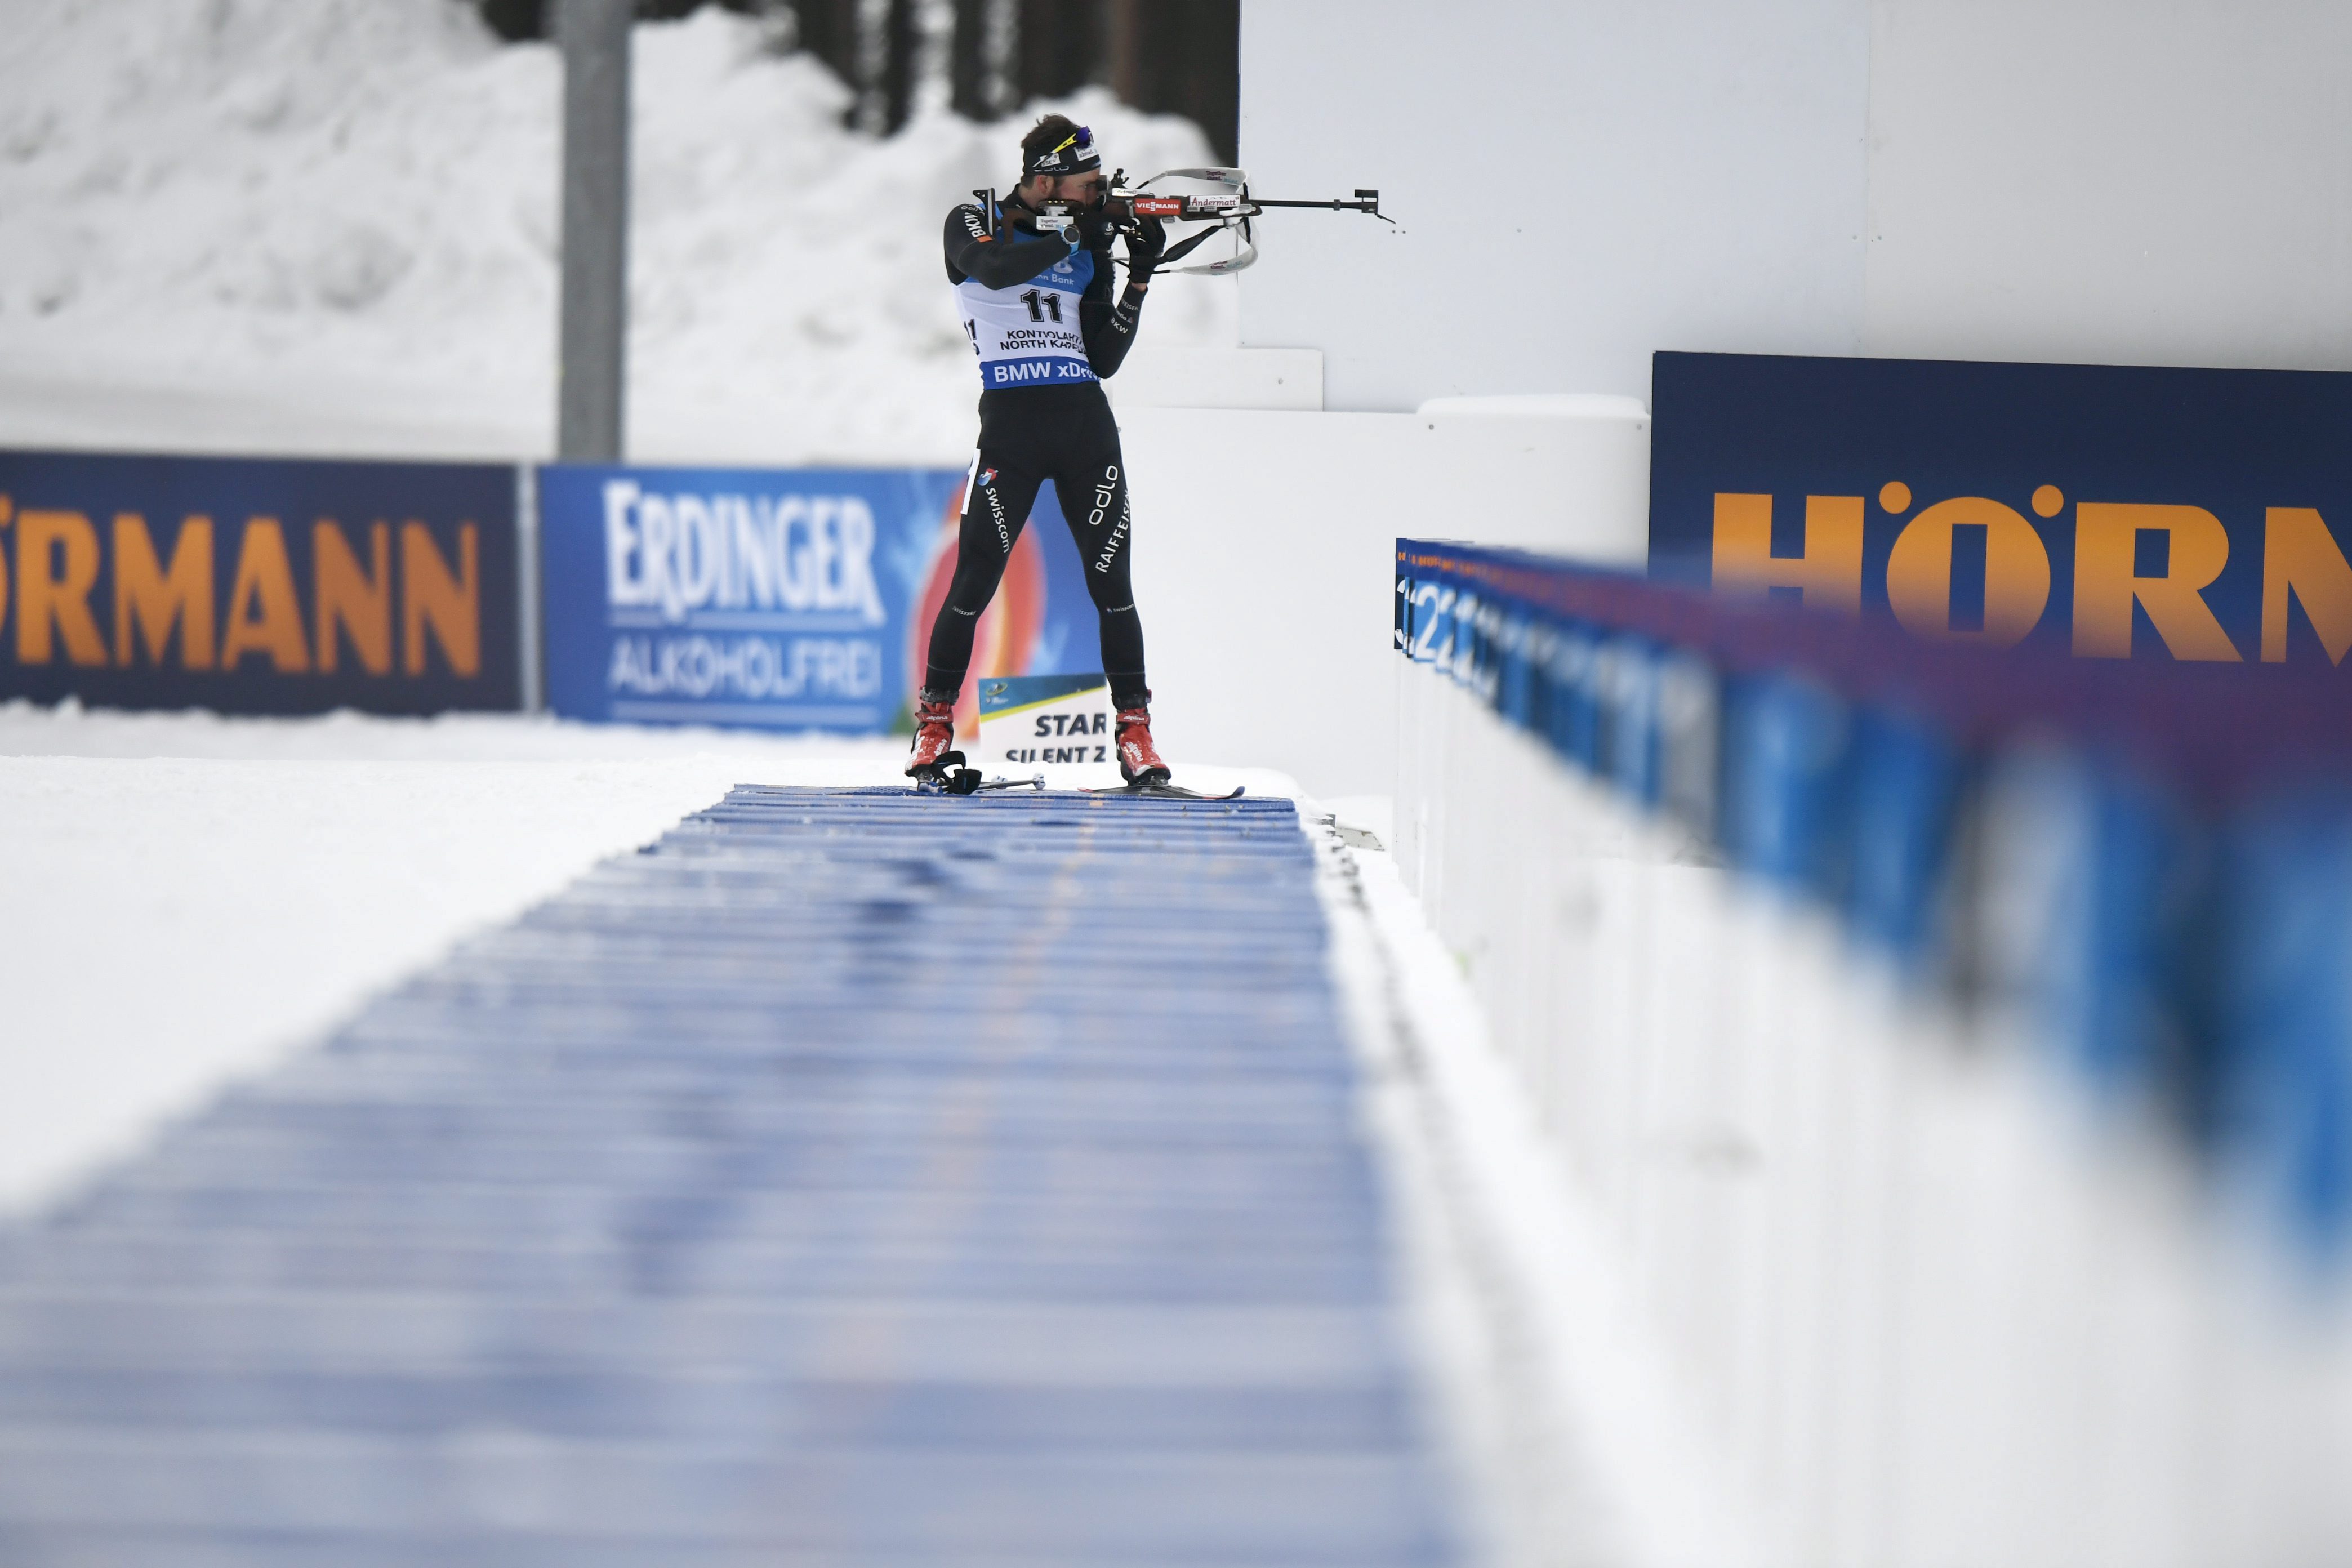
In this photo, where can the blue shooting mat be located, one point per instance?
(846, 1178)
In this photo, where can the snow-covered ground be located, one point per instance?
(331, 227)
(188, 898)
(185, 898)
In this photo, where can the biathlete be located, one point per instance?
(1034, 280)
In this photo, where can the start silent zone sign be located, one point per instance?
(257, 585)
(1054, 727)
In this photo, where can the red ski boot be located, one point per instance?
(1139, 758)
(934, 735)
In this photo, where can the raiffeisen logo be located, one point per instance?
(2158, 560)
(683, 554)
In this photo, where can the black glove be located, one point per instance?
(1094, 227)
(1147, 242)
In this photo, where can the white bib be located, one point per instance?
(1027, 336)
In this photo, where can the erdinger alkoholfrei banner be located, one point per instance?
(781, 598)
(2113, 511)
(258, 585)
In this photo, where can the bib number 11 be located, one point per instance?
(1040, 302)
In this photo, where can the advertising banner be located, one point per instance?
(788, 599)
(259, 585)
(2116, 512)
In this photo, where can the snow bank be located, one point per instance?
(175, 922)
(192, 896)
(346, 210)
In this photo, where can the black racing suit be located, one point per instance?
(1061, 431)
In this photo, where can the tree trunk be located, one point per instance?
(1181, 59)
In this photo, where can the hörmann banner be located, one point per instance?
(792, 599)
(2119, 513)
(259, 585)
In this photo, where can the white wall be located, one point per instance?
(1264, 542)
(2112, 181)
(1583, 183)
(1576, 184)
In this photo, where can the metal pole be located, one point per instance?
(533, 656)
(592, 368)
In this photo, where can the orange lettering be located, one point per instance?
(2300, 556)
(1829, 573)
(2106, 588)
(61, 603)
(264, 615)
(360, 602)
(148, 599)
(2017, 572)
(452, 606)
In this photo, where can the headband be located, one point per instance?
(1073, 155)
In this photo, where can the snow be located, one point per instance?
(194, 898)
(1569, 1421)
(173, 920)
(331, 225)
(191, 898)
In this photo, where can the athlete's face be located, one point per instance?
(1085, 190)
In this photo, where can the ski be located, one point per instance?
(1155, 790)
(1034, 781)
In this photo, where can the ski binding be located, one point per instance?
(950, 776)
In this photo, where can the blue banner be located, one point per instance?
(2111, 512)
(788, 599)
(259, 585)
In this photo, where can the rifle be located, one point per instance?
(1227, 214)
